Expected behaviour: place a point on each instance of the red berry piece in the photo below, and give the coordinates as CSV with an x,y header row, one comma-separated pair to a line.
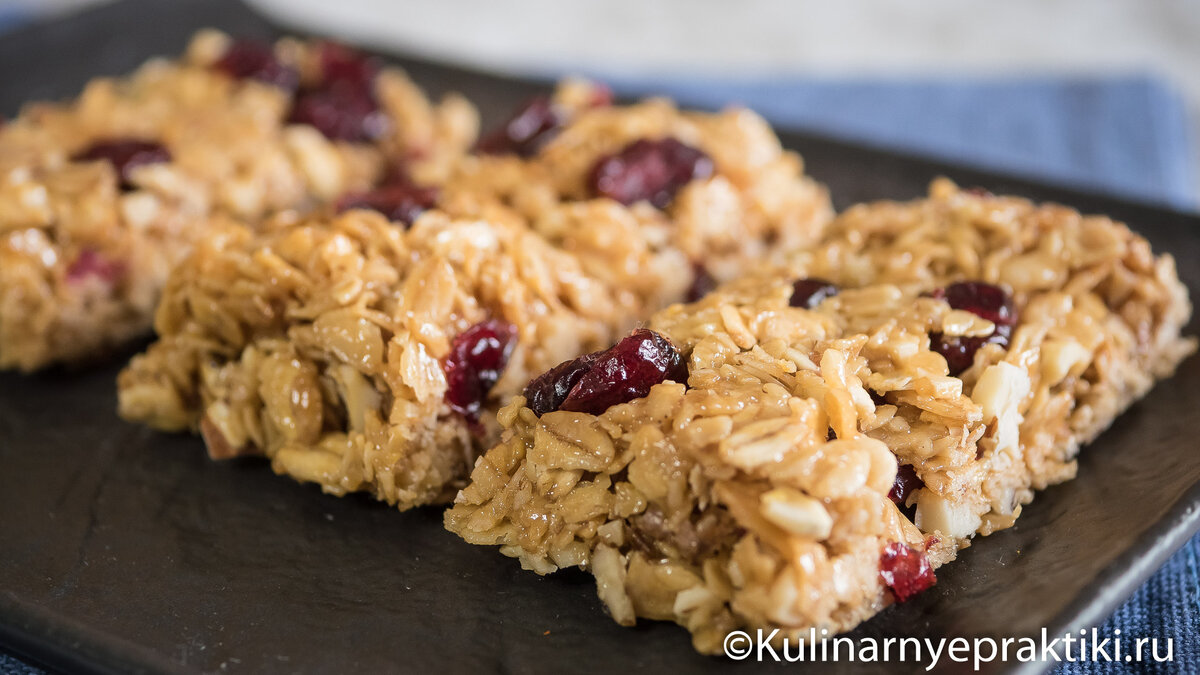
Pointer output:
x,y
400,201
906,571
595,382
125,155
808,293
343,105
907,482
530,128
546,392
252,60
650,170
981,299
477,357
90,264
343,64
703,283
626,372
340,112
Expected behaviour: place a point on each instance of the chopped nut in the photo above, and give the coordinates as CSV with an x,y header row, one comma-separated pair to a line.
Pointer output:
x,y
797,513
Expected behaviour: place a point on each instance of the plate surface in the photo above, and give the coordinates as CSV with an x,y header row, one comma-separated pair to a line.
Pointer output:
x,y
125,550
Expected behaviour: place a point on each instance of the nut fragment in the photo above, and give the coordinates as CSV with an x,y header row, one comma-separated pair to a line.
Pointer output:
x,y
1061,358
938,514
609,567
797,513
999,393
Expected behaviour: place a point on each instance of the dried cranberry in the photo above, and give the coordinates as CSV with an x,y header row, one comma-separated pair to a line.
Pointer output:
x,y
340,63
531,127
808,293
91,264
400,201
595,382
476,359
907,482
651,170
981,299
703,283
546,392
125,155
906,571
342,106
251,60
340,111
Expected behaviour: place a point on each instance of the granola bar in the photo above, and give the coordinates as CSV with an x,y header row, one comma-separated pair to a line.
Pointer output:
x,y
101,196
369,351
800,450
688,199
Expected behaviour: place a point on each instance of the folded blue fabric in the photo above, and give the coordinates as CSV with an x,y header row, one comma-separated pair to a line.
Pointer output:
x,y
1128,136
11,17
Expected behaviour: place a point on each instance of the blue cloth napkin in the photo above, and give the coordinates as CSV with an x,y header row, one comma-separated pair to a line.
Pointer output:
x,y
1127,136
10,16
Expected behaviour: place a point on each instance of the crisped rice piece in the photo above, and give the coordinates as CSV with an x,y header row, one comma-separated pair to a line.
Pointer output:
x,y
101,196
514,238
821,459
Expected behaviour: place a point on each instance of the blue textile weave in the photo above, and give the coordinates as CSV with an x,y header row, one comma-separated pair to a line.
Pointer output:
x,y
1127,136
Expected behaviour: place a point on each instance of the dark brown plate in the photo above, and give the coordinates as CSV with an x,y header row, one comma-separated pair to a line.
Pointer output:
x,y
125,550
